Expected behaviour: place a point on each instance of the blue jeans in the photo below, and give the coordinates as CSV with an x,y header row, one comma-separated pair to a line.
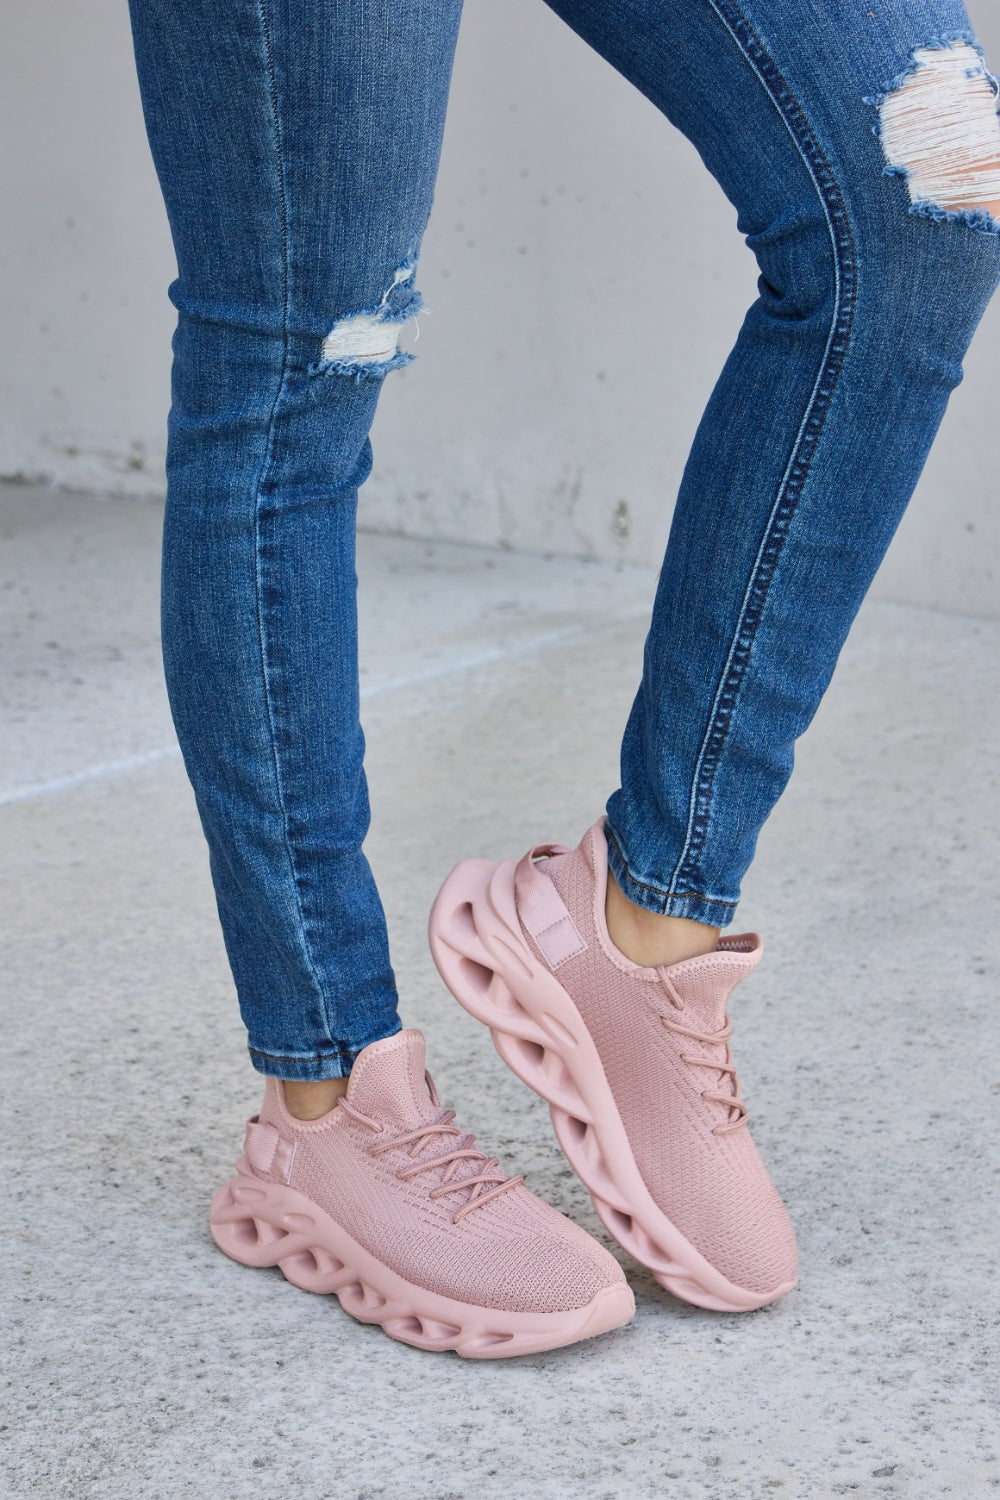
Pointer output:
x,y
297,144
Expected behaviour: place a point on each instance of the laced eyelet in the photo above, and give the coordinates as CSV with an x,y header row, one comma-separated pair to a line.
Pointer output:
x,y
483,1185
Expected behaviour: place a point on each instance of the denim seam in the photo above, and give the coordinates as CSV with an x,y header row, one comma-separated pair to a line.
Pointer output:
x,y
339,1055
261,480
342,1053
807,437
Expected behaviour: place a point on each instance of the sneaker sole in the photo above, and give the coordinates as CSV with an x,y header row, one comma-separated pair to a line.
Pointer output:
x,y
483,958
268,1224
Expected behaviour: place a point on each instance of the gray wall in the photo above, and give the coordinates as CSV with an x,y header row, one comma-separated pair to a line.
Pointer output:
x,y
583,272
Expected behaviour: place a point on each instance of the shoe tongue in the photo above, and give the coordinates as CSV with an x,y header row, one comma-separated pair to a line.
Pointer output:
x,y
706,983
388,1085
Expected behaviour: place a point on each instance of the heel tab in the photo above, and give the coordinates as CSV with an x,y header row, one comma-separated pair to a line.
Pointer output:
x,y
269,1153
543,913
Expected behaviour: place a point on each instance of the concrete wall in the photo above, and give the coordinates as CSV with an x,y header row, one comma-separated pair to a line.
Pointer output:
x,y
543,413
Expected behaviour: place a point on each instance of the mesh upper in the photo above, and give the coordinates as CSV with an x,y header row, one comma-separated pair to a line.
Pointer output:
x,y
714,1188
514,1253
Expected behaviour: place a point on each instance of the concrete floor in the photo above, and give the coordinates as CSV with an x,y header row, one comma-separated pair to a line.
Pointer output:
x,y
140,1362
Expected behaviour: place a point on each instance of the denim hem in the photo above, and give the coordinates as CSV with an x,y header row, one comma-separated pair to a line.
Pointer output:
x,y
710,910
313,1067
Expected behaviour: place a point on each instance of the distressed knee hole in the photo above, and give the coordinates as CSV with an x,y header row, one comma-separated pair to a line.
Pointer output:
x,y
365,344
940,130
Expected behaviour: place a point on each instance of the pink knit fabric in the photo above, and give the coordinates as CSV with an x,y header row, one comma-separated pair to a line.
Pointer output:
x,y
511,1251
694,1153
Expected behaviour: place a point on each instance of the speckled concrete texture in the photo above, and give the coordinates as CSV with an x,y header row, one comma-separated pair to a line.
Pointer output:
x,y
140,1362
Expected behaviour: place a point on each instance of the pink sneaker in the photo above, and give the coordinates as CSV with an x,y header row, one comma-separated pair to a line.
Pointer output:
x,y
634,1063
389,1204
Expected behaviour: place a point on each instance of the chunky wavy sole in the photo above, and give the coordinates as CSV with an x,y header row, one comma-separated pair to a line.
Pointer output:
x,y
268,1224
483,958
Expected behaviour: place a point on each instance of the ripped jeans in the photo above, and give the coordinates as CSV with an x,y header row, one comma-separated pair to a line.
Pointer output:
x,y
297,143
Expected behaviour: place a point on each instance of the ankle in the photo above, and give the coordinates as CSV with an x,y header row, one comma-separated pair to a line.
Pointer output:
x,y
650,938
310,1100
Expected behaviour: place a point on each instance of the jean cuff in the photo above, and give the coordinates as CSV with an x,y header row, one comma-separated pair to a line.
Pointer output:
x,y
312,1067
694,905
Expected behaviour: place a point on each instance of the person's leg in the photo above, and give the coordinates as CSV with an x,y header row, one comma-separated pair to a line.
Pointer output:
x,y
297,146
861,149
601,970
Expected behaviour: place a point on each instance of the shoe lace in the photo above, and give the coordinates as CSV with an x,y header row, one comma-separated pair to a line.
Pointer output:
x,y
730,1096
483,1186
